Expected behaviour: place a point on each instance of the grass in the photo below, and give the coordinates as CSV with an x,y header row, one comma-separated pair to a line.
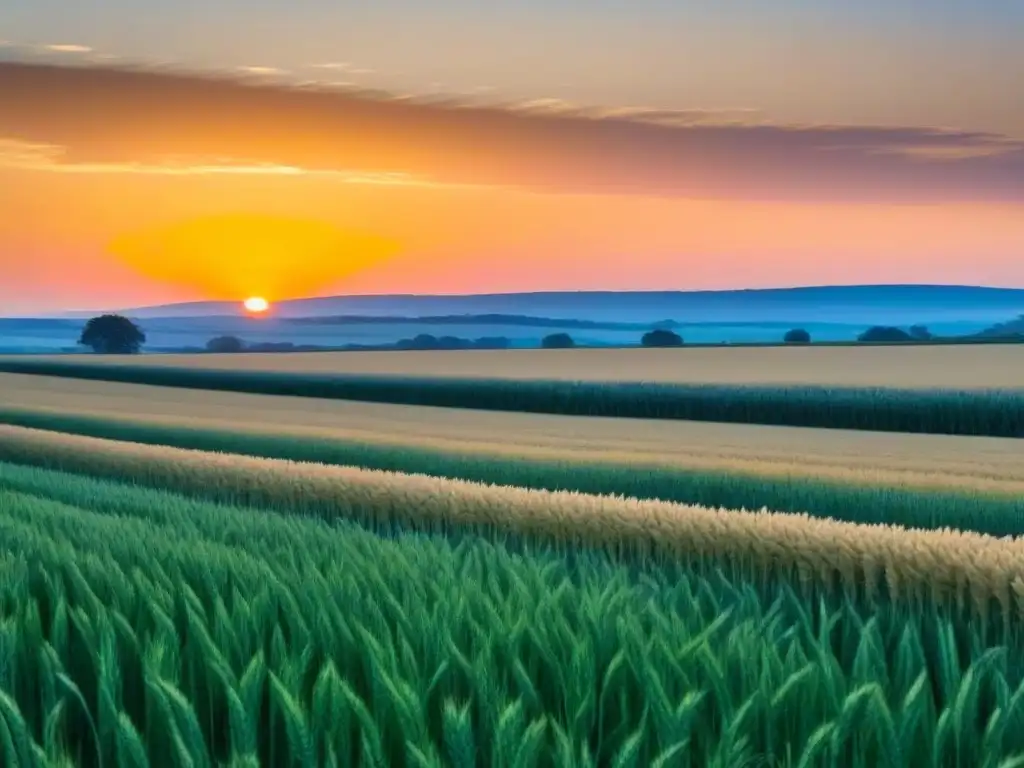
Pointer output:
x,y
899,366
857,498
145,628
978,573
994,413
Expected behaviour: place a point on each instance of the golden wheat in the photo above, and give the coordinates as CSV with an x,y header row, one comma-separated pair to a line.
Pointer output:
x,y
941,565
986,366
902,460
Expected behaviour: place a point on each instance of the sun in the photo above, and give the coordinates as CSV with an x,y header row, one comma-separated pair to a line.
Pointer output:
x,y
256,304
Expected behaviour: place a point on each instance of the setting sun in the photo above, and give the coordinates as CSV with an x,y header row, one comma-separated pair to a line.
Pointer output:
x,y
256,304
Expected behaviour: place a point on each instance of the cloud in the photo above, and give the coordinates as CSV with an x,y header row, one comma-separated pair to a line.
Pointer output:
x,y
50,158
258,70
338,66
108,117
65,48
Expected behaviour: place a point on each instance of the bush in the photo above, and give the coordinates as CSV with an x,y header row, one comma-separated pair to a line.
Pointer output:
x,y
225,344
882,333
797,336
558,341
661,337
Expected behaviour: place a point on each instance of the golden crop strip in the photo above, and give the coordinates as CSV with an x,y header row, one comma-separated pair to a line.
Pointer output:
x,y
941,565
967,366
902,460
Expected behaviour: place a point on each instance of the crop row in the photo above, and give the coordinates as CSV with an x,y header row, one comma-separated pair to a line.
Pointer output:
x,y
996,413
972,571
143,628
858,500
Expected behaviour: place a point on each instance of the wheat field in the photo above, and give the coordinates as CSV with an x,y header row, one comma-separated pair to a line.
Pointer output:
x,y
950,567
248,638
981,366
940,461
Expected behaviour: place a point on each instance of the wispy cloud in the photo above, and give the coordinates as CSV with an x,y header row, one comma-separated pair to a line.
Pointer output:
x,y
261,70
51,158
652,115
343,66
120,118
65,48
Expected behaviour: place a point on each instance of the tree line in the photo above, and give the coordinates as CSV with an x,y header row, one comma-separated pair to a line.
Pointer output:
x,y
115,334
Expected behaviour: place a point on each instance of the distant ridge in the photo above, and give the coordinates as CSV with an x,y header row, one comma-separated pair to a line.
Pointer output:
x,y
827,303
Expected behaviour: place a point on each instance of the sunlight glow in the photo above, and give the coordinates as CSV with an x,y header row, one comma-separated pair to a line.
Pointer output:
x,y
233,256
256,304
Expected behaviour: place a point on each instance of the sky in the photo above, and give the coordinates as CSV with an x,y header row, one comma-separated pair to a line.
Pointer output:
x,y
154,152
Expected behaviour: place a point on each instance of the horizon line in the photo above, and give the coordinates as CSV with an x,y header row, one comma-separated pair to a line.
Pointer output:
x,y
63,314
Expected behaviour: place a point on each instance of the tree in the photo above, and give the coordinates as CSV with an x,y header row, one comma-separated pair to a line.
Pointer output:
x,y
112,335
492,342
661,337
558,341
797,336
423,341
224,344
883,333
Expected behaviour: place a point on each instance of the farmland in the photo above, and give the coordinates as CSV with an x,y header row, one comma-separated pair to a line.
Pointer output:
x,y
976,412
969,366
925,460
212,575
163,627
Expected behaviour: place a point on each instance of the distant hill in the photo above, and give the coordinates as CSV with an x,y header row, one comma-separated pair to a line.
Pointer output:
x,y
1008,330
869,304
520,320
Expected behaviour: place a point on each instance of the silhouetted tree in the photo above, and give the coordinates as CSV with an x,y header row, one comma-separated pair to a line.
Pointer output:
x,y
661,337
453,342
920,332
558,341
797,336
223,344
112,335
884,333
492,342
420,342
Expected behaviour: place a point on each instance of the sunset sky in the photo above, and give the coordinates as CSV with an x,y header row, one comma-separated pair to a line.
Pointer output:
x,y
457,147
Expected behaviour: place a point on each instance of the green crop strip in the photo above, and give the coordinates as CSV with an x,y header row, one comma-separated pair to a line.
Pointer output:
x,y
143,628
980,575
997,514
995,413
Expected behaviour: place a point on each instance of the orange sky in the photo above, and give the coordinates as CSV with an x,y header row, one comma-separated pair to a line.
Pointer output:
x,y
56,246
101,209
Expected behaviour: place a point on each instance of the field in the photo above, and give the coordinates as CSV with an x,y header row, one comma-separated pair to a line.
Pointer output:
x,y
969,366
976,412
198,576
923,460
